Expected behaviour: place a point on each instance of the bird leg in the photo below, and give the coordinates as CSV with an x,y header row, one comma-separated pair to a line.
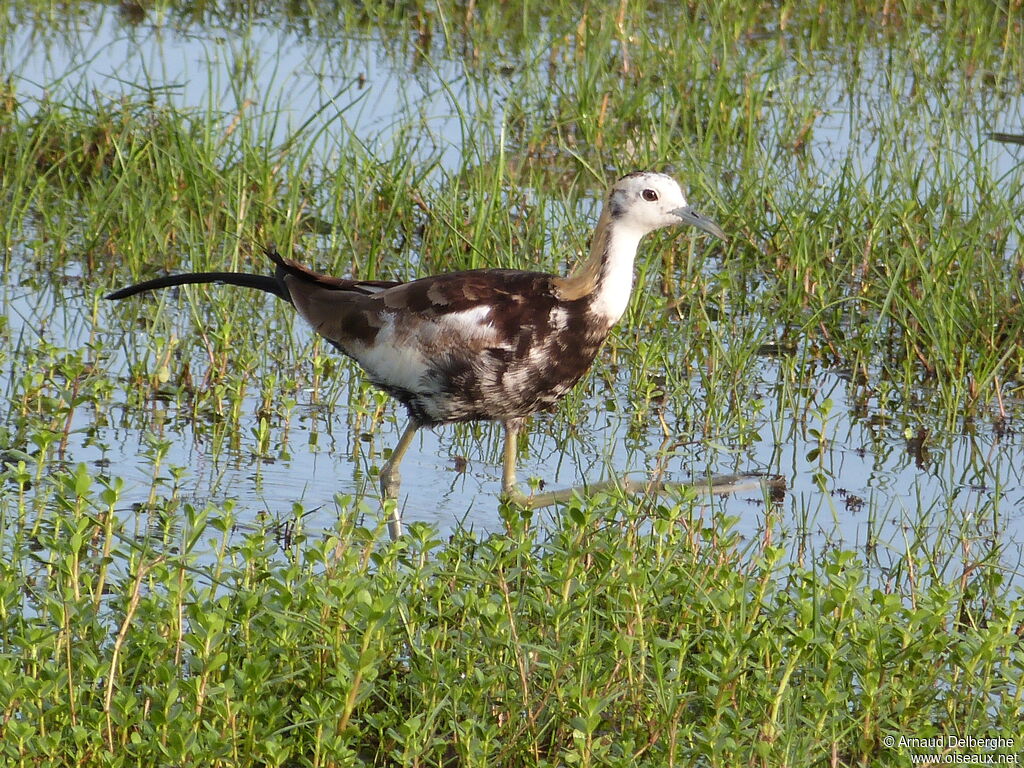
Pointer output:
x,y
390,479
510,492
717,485
712,486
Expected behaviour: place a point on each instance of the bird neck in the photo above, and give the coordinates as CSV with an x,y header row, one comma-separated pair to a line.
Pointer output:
x,y
606,277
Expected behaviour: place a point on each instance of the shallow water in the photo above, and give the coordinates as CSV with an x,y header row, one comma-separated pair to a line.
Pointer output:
x,y
869,486
351,84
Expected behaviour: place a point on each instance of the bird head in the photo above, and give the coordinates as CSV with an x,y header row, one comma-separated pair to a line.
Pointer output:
x,y
647,201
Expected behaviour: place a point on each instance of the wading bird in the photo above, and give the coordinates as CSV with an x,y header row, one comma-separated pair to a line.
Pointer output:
x,y
482,344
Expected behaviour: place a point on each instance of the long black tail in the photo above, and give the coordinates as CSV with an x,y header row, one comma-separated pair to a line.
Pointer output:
x,y
244,279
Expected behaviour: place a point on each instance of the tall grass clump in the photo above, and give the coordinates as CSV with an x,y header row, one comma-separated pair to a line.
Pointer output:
x,y
609,641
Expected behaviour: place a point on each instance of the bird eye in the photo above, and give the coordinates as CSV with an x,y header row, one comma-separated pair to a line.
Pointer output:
x,y
649,195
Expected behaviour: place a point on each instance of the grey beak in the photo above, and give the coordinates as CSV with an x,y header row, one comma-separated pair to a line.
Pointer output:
x,y
689,216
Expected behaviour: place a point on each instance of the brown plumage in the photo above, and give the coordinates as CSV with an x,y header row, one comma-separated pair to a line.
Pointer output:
x,y
486,344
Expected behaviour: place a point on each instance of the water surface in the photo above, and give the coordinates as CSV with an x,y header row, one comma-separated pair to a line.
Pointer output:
x,y
876,482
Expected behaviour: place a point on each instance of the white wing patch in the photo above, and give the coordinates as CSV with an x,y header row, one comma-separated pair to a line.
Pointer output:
x,y
558,318
470,323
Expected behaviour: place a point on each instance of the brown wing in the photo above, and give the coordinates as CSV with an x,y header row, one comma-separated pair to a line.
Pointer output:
x,y
442,305
512,296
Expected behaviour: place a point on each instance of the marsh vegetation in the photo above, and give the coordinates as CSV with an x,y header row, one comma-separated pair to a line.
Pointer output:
x,y
193,566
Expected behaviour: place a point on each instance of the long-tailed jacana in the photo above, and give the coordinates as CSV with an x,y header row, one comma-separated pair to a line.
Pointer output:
x,y
482,344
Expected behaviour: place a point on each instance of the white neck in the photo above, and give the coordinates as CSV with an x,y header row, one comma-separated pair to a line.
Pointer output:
x,y
615,281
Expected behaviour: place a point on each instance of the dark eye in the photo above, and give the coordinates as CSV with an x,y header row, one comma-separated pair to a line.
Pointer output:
x,y
649,195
